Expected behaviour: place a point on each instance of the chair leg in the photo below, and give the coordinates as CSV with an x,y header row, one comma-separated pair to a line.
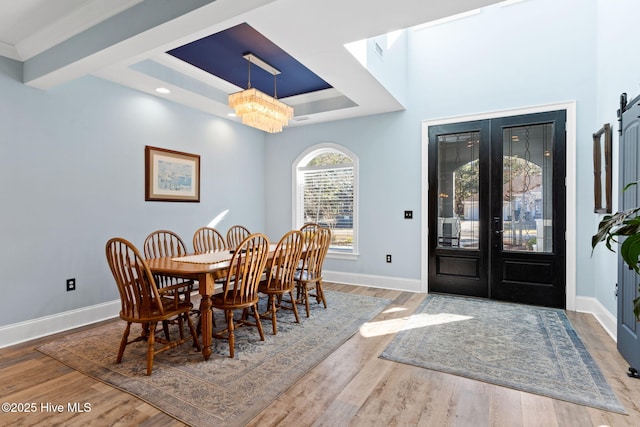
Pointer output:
x,y
123,342
165,328
306,297
258,322
150,352
294,306
274,323
299,291
194,334
232,338
181,326
320,293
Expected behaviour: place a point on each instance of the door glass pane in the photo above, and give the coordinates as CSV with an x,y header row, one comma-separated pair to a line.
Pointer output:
x,y
527,177
458,198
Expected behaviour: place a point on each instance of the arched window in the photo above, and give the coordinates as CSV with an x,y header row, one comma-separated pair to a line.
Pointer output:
x,y
326,192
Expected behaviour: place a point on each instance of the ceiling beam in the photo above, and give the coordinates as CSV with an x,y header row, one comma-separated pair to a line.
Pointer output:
x,y
136,31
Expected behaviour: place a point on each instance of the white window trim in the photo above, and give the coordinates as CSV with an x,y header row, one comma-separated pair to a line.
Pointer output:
x,y
305,156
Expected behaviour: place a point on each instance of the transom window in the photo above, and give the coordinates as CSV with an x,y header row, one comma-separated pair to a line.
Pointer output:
x,y
326,193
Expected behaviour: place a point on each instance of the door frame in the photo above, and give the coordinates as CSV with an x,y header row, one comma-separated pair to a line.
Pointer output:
x,y
571,186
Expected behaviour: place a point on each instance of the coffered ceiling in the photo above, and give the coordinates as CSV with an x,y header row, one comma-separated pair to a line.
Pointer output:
x,y
194,48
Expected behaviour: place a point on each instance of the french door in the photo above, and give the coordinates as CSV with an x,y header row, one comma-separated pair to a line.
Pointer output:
x,y
497,208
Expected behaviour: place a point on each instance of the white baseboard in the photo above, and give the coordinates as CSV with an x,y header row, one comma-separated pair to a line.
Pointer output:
x,y
384,282
43,326
608,321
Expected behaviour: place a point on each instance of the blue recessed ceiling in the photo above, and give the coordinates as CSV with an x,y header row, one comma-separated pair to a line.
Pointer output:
x,y
221,54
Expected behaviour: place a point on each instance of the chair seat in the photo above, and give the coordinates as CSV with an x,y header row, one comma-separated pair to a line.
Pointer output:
x,y
229,301
306,276
275,286
169,307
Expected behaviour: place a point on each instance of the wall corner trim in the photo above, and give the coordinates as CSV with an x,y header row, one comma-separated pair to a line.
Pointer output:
x,y
608,321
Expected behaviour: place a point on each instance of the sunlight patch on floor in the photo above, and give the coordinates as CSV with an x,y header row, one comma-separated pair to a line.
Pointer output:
x,y
392,326
394,310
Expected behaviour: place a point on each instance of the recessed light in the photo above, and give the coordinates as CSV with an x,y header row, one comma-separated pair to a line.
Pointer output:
x,y
231,114
162,90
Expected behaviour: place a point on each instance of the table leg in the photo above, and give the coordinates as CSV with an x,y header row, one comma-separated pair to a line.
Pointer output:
x,y
207,327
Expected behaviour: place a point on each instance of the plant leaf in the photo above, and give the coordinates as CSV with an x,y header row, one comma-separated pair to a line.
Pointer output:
x,y
630,251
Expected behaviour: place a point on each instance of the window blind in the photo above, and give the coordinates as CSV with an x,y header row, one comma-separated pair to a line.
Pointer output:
x,y
328,198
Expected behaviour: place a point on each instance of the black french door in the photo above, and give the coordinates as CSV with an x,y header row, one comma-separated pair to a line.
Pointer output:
x,y
497,208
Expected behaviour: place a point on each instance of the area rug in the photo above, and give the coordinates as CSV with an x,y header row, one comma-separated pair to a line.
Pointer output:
x,y
527,348
221,391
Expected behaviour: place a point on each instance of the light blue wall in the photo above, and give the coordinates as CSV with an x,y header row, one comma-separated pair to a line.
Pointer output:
x,y
72,173
533,53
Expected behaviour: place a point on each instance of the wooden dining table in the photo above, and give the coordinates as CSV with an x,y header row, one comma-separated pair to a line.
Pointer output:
x,y
206,273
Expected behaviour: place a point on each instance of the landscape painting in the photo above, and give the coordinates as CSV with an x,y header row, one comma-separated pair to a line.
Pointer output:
x,y
171,176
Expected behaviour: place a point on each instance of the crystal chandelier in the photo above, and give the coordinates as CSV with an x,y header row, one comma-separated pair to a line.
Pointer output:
x,y
256,108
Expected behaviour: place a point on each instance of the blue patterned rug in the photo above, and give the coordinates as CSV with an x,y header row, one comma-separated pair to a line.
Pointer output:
x,y
220,391
527,348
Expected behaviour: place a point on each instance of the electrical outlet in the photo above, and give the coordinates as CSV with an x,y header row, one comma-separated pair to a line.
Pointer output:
x,y
408,214
388,258
71,285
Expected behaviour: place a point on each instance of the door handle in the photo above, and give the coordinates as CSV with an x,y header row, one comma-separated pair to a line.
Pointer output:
x,y
497,226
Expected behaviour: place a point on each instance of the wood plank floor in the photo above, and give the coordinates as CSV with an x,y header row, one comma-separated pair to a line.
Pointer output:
x,y
350,387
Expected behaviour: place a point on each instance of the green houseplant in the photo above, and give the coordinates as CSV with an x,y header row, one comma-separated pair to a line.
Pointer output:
x,y
625,223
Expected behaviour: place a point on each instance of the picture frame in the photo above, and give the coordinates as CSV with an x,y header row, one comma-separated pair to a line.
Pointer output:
x,y
602,179
171,176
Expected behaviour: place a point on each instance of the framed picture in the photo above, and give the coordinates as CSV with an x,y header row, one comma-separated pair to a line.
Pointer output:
x,y
171,176
602,178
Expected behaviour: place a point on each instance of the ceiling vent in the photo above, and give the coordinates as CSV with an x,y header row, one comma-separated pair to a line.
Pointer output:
x,y
379,50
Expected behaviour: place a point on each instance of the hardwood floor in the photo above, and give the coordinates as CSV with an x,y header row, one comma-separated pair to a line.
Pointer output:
x,y
350,387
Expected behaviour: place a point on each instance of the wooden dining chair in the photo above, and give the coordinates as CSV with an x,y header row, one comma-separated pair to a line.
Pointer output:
x,y
280,280
142,301
235,235
309,277
165,243
207,239
309,229
240,291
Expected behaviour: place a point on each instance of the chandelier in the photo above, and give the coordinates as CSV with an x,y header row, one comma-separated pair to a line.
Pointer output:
x,y
256,108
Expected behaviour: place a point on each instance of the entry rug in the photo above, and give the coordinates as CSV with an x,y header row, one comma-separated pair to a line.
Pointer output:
x,y
527,348
221,391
